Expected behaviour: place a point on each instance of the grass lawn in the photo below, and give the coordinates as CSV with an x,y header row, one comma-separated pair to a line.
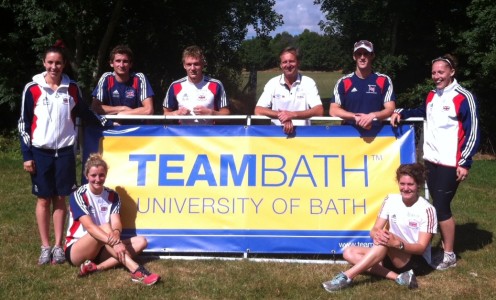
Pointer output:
x,y
20,277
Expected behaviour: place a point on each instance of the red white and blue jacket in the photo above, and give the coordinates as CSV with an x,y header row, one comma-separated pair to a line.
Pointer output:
x,y
48,117
83,202
452,134
132,93
209,92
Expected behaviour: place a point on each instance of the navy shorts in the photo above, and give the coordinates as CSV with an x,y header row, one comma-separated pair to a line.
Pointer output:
x,y
55,175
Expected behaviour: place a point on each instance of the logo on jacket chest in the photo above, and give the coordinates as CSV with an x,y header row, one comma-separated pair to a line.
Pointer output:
x,y
202,96
372,89
413,224
278,97
130,93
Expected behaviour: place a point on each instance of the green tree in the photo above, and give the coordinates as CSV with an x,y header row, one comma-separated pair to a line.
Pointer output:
x,y
409,34
40,23
279,42
319,52
478,45
255,55
157,31
406,34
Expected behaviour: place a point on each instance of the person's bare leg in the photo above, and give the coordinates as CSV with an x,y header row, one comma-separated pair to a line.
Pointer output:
x,y
59,214
371,258
43,219
448,234
134,246
88,248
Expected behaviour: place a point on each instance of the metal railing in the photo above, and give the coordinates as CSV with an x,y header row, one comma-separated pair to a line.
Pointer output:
x,y
248,118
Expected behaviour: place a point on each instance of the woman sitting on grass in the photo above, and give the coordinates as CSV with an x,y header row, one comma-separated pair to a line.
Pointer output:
x,y
94,232
402,236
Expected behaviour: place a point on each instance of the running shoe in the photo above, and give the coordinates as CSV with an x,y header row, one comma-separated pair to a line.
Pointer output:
x,y
58,255
45,255
407,278
449,261
87,268
144,276
339,282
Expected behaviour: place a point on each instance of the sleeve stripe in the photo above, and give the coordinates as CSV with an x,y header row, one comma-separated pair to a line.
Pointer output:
x,y
78,196
100,91
471,142
431,224
21,125
142,86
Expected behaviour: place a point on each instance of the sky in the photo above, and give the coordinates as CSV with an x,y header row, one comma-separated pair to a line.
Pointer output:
x,y
297,15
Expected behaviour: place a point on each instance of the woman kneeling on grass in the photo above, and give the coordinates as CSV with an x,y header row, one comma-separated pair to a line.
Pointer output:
x,y
402,236
93,236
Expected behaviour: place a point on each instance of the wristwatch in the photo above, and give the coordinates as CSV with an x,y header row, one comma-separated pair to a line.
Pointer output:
x,y
402,246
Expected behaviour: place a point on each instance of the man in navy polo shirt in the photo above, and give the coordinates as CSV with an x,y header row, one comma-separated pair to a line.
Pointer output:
x,y
122,92
363,97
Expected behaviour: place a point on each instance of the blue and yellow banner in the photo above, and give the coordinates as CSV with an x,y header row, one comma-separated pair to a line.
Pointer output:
x,y
251,188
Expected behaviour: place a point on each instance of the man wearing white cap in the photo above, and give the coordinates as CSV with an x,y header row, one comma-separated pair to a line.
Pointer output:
x,y
363,96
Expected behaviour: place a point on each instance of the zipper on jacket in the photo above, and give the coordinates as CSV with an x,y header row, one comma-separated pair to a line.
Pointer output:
x,y
57,124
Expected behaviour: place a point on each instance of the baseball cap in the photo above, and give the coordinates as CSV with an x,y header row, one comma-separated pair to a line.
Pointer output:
x,y
363,44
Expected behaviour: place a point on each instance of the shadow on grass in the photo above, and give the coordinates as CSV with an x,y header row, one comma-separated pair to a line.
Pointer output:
x,y
470,238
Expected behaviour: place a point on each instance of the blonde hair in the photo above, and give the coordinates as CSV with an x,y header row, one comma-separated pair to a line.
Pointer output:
x,y
94,160
196,52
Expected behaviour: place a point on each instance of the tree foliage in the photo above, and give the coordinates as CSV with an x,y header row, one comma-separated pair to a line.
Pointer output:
x,y
405,33
478,45
255,55
408,34
318,52
157,31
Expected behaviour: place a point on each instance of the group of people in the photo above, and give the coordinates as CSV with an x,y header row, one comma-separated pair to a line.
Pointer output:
x,y
123,92
47,127
363,98
289,99
406,222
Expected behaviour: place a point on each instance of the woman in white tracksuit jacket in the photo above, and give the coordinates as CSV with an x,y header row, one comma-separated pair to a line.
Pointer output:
x,y
451,139
50,105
